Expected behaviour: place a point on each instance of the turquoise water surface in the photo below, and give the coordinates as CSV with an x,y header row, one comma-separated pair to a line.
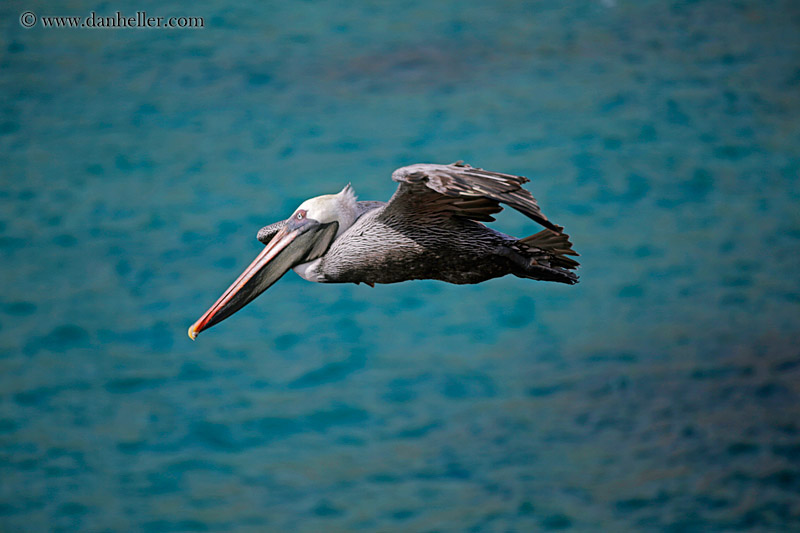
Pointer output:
x,y
662,393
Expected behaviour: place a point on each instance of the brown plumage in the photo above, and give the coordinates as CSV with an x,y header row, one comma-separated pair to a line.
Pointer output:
x,y
431,228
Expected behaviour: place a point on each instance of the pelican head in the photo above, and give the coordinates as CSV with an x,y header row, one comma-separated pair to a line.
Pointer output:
x,y
306,236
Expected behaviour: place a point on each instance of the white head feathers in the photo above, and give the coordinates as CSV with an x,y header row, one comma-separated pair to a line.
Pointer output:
x,y
329,208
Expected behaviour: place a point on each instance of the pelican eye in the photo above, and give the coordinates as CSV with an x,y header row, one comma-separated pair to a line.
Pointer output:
x,y
300,215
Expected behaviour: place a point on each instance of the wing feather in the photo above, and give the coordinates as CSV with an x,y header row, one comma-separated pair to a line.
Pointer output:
x,y
461,190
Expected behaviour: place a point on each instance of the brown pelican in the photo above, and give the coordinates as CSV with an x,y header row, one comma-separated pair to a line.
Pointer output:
x,y
431,228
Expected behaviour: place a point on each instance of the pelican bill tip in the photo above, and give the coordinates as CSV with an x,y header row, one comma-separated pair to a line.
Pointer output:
x,y
193,332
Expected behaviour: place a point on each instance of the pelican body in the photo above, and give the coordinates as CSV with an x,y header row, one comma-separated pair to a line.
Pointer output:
x,y
431,228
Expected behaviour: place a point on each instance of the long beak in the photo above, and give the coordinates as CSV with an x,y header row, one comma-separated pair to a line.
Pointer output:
x,y
253,281
289,247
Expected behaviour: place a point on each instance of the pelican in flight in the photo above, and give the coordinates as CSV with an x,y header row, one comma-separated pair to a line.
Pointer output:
x,y
431,228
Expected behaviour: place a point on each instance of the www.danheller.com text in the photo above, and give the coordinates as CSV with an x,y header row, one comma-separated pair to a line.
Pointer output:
x,y
141,19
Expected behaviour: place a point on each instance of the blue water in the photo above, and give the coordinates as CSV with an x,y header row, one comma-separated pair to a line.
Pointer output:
x,y
662,393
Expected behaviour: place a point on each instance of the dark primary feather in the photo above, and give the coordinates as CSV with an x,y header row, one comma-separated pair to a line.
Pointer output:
x,y
557,245
464,191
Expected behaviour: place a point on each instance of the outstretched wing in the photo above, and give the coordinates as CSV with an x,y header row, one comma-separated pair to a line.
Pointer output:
x,y
461,190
